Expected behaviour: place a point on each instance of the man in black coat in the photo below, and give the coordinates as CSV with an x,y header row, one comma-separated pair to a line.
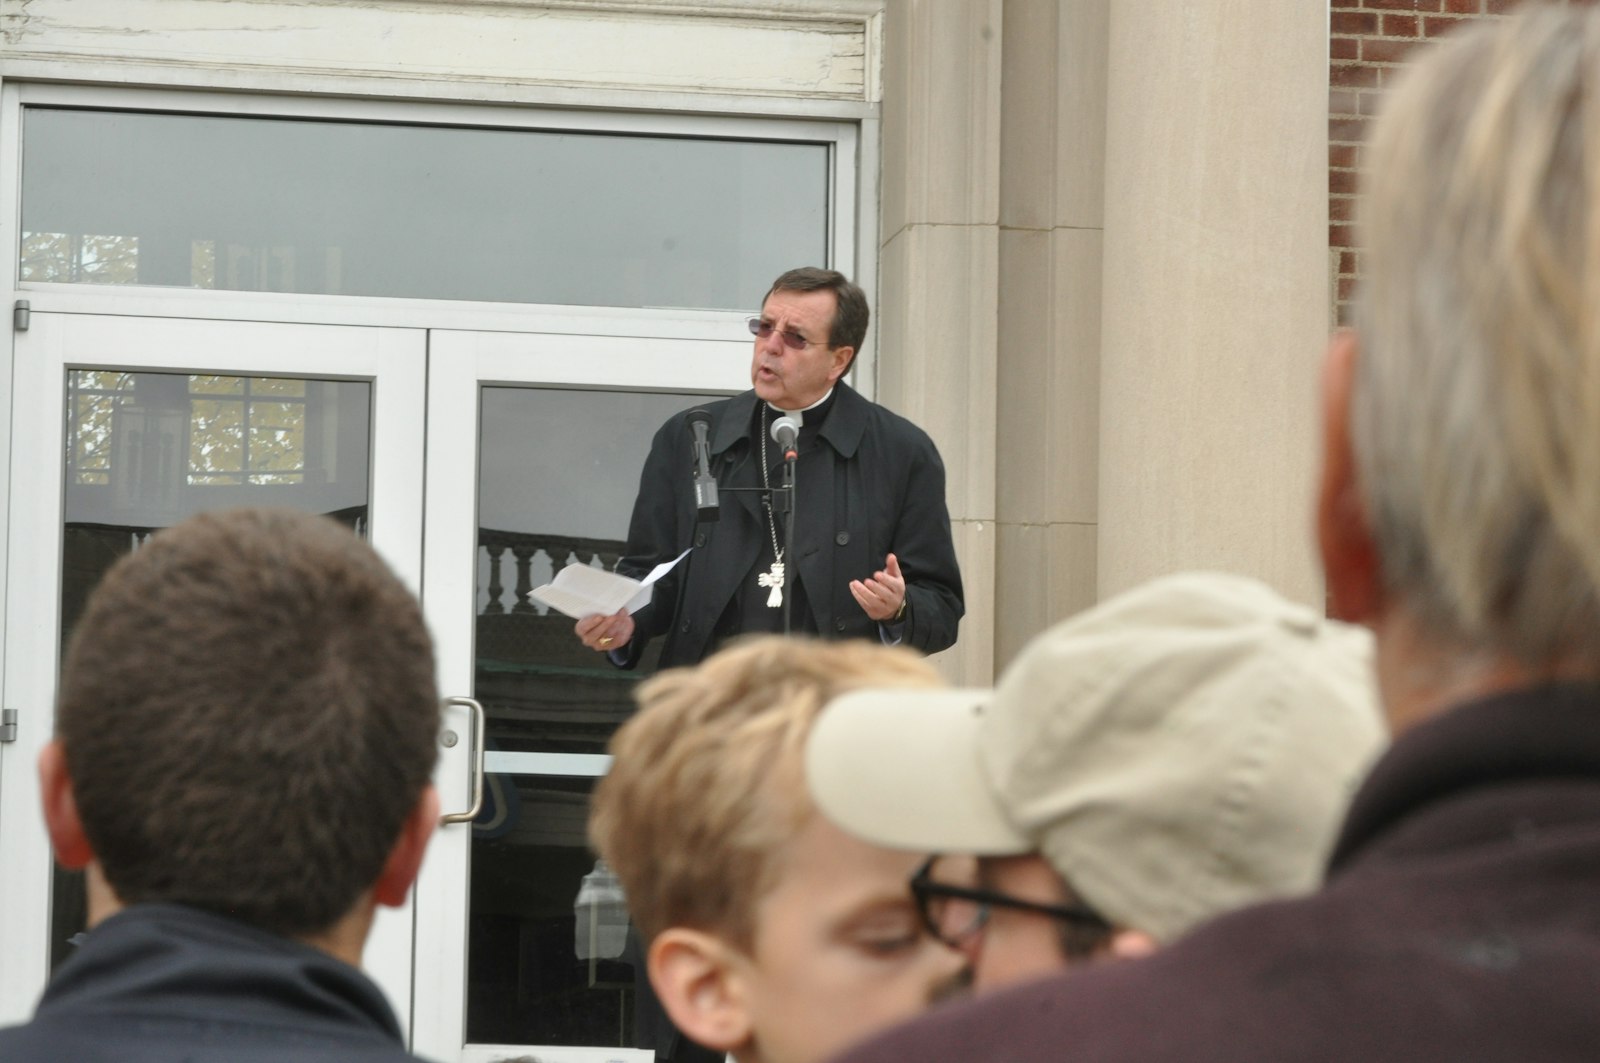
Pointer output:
x,y
246,728
1459,517
872,555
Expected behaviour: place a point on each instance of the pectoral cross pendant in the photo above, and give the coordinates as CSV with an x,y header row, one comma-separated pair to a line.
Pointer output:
x,y
773,578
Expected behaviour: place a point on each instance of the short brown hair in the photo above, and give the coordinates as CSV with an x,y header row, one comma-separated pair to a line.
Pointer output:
x,y
248,713
851,314
707,781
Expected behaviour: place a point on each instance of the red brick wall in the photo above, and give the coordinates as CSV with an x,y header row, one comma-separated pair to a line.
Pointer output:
x,y
1369,41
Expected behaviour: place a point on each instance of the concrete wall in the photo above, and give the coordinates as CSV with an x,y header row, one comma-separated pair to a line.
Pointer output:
x,y
1215,308
1103,289
938,271
1052,242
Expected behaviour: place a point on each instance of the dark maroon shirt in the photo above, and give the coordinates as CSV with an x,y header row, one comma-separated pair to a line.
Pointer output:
x,y
1460,922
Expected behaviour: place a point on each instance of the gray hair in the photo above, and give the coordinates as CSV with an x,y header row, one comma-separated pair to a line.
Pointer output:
x,y
1476,411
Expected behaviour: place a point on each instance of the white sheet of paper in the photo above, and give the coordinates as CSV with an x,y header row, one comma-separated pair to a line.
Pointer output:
x,y
663,568
579,590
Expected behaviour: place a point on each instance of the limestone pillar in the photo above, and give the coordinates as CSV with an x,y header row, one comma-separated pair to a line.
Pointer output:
x,y
1215,303
1052,152
938,271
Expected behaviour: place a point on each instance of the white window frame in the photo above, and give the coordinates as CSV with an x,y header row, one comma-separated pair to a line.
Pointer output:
x,y
851,205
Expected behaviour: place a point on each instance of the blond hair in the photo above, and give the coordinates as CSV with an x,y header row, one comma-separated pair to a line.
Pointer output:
x,y
1476,411
706,784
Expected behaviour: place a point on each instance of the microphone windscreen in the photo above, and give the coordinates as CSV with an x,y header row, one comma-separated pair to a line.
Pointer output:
x,y
787,423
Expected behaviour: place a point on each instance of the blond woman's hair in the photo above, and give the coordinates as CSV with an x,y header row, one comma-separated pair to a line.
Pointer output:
x,y
707,784
1476,411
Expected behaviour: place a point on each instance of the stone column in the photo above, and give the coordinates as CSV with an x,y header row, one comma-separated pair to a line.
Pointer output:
x,y
1052,151
938,271
1215,306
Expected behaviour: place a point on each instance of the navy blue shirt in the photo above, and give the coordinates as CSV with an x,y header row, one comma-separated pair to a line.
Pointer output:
x,y
163,982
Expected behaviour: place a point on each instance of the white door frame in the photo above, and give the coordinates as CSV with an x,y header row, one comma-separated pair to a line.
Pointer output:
x,y
393,359
477,359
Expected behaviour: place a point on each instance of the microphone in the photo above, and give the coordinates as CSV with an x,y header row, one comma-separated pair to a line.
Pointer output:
x,y
786,433
706,504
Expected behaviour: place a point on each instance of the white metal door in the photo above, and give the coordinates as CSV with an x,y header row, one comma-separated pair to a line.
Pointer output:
x,y
378,372
601,397
534,451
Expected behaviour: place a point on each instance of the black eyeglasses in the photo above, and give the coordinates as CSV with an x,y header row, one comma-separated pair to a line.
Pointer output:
x,y
957,914
791,339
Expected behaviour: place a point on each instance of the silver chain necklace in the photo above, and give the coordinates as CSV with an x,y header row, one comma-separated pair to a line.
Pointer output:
x,y
773,577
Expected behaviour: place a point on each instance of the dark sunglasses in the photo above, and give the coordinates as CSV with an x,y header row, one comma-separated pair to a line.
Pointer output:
x,y
791,339
957,914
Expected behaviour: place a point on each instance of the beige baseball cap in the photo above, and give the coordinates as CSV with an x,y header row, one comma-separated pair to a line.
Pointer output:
x,y
1180,750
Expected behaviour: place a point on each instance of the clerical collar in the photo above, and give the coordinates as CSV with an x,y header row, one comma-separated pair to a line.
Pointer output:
x,y
808,409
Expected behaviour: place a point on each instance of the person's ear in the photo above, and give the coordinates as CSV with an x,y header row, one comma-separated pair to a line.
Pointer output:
x,y
405,858
1344,532
842,357
61,818
1131,945
697,979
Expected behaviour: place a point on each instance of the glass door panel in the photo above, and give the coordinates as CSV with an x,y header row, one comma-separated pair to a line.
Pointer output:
x,y
558,466
132,425
551,492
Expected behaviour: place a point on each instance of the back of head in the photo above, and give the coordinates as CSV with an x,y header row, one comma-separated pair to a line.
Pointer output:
x,y
1477,401
248,713
706,785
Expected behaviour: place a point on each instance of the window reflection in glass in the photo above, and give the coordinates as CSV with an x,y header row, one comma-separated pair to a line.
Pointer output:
x,y
92,400
151,434
71,258
240,430
247,430
415,211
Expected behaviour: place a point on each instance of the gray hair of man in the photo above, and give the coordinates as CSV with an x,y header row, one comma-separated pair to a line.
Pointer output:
x,y
1476,404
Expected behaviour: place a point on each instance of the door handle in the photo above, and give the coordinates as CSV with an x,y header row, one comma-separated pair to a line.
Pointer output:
x,y
479,740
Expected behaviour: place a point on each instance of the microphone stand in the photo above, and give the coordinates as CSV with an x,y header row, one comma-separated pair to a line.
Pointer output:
x,y
788,535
